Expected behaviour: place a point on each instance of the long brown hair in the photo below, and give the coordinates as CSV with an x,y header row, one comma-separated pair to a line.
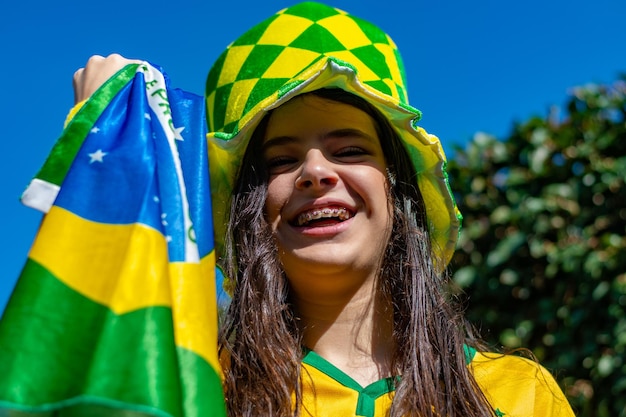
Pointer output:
x,y
261,340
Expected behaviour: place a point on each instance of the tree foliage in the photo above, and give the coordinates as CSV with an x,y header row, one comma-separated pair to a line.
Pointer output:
x,y
542,255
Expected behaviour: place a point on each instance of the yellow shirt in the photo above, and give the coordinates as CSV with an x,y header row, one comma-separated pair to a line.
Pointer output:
x,y
514,386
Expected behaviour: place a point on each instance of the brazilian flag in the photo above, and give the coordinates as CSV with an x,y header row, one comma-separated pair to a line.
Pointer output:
x,y
115,312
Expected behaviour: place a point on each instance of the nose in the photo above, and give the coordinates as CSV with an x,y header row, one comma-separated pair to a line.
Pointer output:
x,y
316,171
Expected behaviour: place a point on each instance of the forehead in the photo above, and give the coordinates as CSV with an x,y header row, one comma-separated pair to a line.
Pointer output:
x,y
310,113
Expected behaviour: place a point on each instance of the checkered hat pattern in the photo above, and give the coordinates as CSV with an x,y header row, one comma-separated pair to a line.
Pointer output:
x,y
303,48
270,59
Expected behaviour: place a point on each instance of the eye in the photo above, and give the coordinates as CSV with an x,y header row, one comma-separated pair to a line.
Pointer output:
x,y
279,163
349,151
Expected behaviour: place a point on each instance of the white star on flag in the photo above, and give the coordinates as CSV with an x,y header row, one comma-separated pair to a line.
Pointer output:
x,y
95,129
97,156
147,116
177,133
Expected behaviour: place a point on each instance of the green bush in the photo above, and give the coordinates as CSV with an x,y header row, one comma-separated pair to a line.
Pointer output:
x,y
542,254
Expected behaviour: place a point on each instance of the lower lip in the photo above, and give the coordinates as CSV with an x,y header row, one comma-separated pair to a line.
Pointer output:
x,y
324,230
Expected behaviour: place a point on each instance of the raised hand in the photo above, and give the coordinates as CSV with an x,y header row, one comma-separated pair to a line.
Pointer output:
x,y
97,70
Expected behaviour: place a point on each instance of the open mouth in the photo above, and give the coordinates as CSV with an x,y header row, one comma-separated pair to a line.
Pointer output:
x,y
321,216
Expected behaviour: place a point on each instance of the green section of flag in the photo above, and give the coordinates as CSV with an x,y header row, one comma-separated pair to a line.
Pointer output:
x,y
62,351
62,155
202,386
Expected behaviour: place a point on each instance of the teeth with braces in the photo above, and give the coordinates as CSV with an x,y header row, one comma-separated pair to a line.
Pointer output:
x,y
327,213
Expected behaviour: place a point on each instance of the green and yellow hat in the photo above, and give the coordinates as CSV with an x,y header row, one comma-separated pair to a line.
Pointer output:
x,y
304,48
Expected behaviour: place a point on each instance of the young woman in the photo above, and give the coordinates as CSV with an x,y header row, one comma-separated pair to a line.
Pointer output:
x,y
337,234
337,269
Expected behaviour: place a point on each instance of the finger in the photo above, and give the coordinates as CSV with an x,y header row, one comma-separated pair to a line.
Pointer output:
x,y
77,82
94,60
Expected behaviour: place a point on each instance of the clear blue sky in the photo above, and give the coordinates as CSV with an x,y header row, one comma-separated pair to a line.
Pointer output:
x,y
471,66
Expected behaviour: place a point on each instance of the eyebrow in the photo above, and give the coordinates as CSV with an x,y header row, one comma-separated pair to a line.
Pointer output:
x,y
333,134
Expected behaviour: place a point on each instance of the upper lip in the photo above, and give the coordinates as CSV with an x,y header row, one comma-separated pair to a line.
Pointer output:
x,y
319,205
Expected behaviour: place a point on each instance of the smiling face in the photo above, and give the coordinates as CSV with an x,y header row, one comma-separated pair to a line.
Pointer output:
x,y
327,198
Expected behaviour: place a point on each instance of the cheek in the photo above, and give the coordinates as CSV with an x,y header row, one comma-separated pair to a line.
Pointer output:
x,y
375,185
381,199
277,195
